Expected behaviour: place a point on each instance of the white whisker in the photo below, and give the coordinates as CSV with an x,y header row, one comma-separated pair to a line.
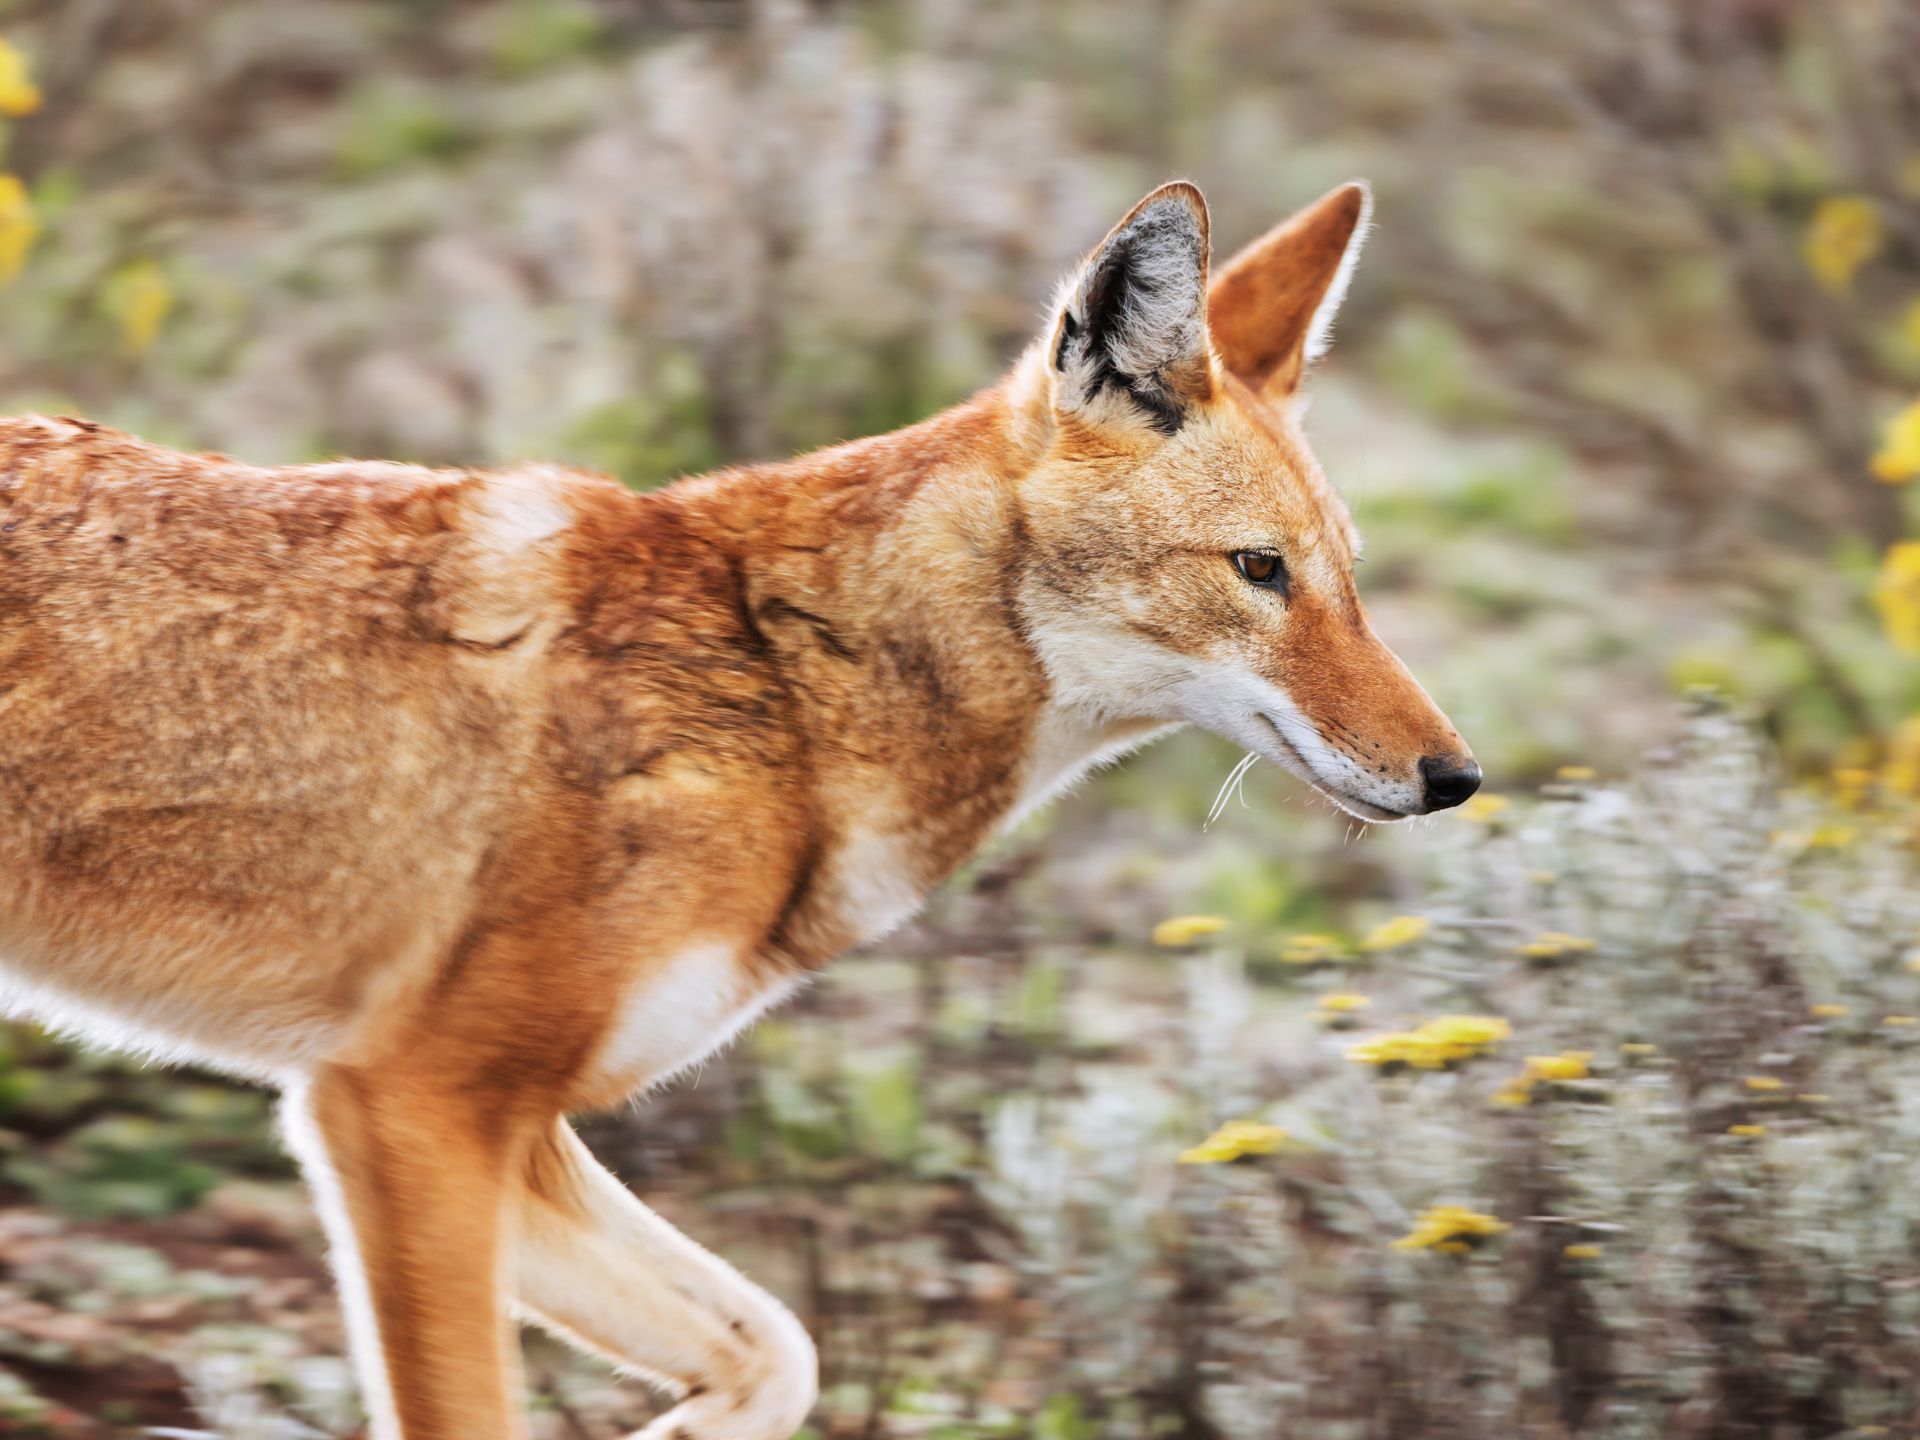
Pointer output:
x,y
1227,788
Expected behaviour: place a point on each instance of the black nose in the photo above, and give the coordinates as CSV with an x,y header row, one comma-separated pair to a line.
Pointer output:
x,y
1449,781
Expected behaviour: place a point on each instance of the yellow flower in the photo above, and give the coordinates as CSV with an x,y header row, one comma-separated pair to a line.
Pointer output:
x,y
1910,323
1440,1042
19,227
1569,1066
1309,949
1574,774
18,94
1400,1047
140,298
1763,1083
1551,944
1845,233
1341,1002
1898,459
1901,1022
1475,1031
1453,1229
1851,784
1638,1047
1234,1141
1901,774
1812,1098
1518,1090
1896,594
1542,877
1747,1132
1584,1252
1185,929
1827,1010
1484,809
1392,934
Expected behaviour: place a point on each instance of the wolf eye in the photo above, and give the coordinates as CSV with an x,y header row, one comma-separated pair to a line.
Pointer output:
x,y
1257,567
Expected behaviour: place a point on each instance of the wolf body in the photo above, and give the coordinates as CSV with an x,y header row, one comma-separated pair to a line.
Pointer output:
x,y
452,802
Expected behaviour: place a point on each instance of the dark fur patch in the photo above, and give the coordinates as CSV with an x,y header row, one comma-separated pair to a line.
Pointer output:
x,y
1114,289
1069,332
773,610
782,940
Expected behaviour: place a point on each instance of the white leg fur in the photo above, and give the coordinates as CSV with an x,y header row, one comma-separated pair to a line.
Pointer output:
x,y
602,1269
356,1300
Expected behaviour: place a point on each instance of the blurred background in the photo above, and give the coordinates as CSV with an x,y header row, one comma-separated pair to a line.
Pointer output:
x,y
1593,1109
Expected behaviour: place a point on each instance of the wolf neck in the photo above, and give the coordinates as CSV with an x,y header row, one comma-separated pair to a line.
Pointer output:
x,y
883,576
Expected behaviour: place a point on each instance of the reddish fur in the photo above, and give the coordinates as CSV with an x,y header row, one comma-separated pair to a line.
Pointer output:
x,y
401,787
1263,299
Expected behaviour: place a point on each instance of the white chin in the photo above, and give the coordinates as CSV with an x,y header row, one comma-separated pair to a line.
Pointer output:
x,y
1372,814
1283,754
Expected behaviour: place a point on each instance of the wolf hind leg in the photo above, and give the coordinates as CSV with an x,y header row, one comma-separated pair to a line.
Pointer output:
x,y
593,1263
414,1183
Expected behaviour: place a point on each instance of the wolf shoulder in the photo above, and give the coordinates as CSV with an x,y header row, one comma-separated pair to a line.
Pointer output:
x,y
93,522
194,633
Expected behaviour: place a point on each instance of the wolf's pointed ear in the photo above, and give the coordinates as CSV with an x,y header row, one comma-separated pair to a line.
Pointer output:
x,y
1132,326
1272,306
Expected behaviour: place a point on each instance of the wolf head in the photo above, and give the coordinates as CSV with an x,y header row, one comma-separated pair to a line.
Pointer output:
x,y
1184,557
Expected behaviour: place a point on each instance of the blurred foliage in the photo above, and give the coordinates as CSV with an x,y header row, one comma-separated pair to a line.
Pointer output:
x,y
93,1135
1625,400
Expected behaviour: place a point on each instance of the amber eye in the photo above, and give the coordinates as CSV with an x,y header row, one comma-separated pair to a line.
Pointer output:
x,y
1258,567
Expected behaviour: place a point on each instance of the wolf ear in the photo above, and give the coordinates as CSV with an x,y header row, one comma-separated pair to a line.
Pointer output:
x,y
1271,309
1132,326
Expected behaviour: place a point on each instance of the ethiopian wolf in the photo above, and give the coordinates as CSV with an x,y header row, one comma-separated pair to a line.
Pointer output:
x,y
454,801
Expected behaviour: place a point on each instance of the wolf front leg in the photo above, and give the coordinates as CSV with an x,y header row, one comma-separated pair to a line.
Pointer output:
x,y
596,1265
414,1183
